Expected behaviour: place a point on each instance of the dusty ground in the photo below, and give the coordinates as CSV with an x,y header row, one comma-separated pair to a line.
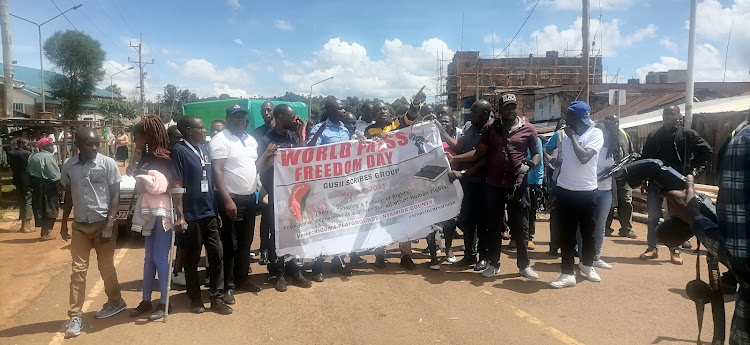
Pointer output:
x,y
636,303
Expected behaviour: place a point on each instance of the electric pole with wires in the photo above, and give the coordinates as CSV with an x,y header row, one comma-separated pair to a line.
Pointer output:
x,y
142,75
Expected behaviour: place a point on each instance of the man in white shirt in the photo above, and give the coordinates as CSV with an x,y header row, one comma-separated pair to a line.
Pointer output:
x,y
577,192
233,157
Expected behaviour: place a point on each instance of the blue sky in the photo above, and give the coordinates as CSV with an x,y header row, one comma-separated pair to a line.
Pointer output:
x,y
375,48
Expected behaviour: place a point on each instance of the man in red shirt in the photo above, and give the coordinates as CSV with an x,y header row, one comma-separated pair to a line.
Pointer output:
x,y
502,152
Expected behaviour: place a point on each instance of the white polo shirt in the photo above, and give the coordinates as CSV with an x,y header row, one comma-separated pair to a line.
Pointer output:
x,y
575,176
239,171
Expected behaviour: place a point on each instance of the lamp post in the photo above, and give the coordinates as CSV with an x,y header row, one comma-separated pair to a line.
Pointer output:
x,y
41,63
112,94
309,100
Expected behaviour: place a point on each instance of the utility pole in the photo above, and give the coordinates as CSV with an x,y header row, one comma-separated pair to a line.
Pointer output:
x,y
585,33
690,87
141,74
7,94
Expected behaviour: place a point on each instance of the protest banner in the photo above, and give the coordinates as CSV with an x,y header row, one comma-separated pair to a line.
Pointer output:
x,y
349,196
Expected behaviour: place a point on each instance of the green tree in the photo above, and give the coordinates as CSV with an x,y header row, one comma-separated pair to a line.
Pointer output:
x,y
399,102
78,58
115,110
114,89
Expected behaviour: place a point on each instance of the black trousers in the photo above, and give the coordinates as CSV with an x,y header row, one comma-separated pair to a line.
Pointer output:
x,y
518,211
45,203
554,230
473,217
534,193
266,226
576,210
449,231
236,237
204,232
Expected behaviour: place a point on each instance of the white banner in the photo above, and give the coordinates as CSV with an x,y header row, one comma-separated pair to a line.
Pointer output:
x,y
349,196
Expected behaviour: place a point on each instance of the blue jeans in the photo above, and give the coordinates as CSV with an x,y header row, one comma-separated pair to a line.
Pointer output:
x,y
156,260
603,204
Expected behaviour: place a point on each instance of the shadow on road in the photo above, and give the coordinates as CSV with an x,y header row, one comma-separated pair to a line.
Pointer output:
x,y
523,286
633,261
49,327
21,240
631,242
661,340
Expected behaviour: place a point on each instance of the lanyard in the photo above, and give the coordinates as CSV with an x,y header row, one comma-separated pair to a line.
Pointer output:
x,y
200,155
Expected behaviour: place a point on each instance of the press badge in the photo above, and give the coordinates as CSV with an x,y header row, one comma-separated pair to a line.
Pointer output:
x,y
204,183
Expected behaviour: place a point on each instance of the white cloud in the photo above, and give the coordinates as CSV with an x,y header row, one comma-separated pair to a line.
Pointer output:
x,y
576,4
235,4
282,25
712,32
400,72
127,80
203,70
280,52
491,38
668,44
239,42
709,66
219,88
608,39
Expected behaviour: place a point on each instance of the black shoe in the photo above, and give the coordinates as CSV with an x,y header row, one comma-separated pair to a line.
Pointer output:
x,y
576,254
355,259
142,308
301,281
609,233
281,283
263,258
407,263
229,297
466,261
318,277
197,307
552,252
218,306
379,261
159,312
481,266
250,287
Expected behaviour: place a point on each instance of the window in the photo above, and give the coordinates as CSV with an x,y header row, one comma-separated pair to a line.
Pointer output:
x,y
467,64
544,74
18,107
521,75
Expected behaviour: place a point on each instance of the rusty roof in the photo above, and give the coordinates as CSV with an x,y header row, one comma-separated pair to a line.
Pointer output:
x,y
640,104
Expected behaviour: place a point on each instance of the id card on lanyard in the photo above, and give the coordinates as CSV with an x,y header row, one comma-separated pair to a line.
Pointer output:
x,y
204,163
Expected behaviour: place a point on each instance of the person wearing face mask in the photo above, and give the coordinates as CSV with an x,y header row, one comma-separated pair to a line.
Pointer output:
x,y
683,150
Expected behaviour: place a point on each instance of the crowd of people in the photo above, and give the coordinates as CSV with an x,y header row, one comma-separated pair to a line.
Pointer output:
x,y
216,188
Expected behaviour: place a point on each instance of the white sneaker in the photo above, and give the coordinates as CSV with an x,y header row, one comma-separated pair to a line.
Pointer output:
x,y
451,259
565,280
491,271
589,272
529,273
179,279
601,264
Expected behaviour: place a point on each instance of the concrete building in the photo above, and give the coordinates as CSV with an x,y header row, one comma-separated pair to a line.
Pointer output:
x,y
469,74
668,77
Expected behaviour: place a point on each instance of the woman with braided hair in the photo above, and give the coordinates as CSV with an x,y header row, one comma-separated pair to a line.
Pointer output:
x,y
609,154
152,212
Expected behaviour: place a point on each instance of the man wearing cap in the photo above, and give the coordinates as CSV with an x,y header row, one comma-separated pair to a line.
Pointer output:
x,y
683,150
45,177
577,192
233,155
503,149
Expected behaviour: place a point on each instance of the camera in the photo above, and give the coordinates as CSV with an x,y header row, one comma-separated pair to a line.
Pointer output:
x,y
673,231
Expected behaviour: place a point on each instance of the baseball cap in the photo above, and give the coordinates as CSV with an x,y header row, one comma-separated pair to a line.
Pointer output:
x,y
235,109
508,98
44,142
582,111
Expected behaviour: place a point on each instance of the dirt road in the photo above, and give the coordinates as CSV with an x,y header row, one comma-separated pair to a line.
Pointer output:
x,y
636,303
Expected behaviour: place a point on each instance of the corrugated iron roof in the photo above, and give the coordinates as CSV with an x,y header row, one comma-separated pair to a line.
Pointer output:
x,y
721,105
640,104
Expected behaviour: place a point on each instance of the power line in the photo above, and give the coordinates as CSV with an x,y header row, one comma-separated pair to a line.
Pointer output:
x,y
63,14
123,18
519,30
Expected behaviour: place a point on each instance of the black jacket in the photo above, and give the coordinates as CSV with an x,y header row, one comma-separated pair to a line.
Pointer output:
x,y
685,150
